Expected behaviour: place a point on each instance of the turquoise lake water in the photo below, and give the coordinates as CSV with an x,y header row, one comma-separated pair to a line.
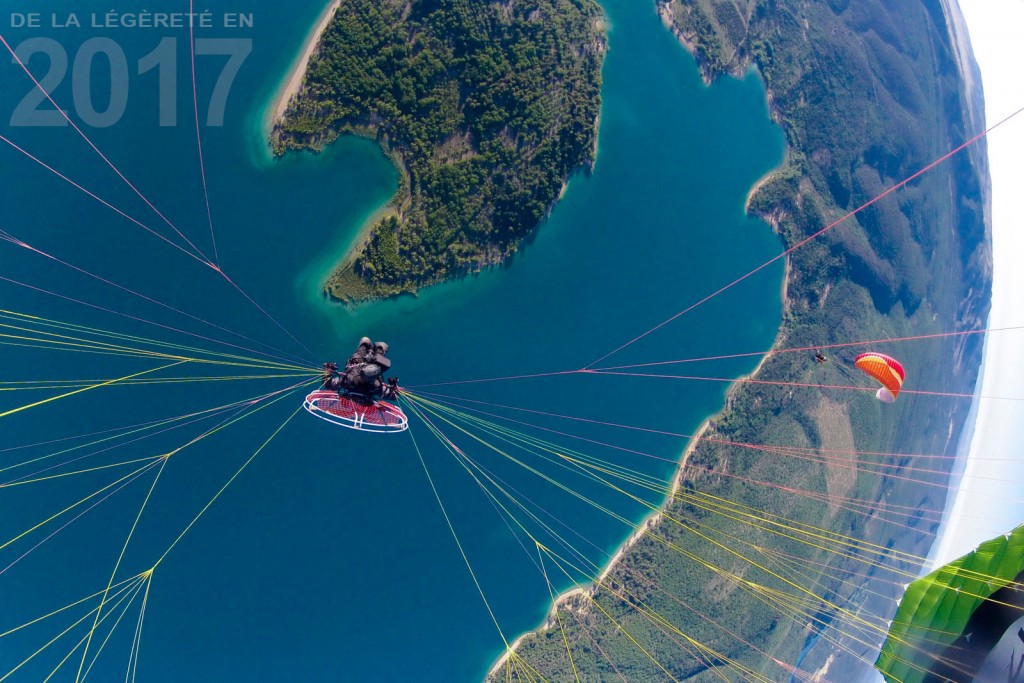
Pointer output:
x,y
328,558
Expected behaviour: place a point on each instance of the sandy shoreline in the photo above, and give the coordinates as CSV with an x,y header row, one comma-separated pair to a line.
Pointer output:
x,y
761,182
652,519
642,527
292,84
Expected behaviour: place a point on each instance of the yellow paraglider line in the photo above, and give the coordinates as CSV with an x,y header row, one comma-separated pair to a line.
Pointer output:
x,y
127,600
656,619
135,582
635,477
622,473
103,348
80,329
119,586
131,476
659,619
164,460
42,384
817,600
54,346
226,484
133,654
792,566
794,607
628,522
657,486
90,387
463,459
561,628
823,534
50,348
512,658
117,565
110,633
458,543
820,536
284,394
800,589
77,503
50,477
533,470
135,429
87,345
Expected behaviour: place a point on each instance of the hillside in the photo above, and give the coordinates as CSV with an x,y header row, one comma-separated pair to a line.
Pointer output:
x,y
867,93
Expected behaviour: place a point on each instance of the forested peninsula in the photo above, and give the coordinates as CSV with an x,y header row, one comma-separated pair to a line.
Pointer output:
x,y
485,108
760,549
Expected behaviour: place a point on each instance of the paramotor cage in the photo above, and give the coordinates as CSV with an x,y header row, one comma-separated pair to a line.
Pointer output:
x,y
375,416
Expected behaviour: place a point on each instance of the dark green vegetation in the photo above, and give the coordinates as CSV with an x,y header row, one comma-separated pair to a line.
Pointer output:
x,y
486,108
867,93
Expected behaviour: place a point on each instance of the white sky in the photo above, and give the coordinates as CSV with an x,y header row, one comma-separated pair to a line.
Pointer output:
x,y
991,497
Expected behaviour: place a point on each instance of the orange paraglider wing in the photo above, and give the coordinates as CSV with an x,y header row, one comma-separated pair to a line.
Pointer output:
x,y
886,370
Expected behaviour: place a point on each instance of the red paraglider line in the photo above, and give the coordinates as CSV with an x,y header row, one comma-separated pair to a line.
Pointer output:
x,y
564,417
875,467
199,139
284,358
805,349
79,516
767,448
804,241
237,407
496,379
126,429
312,356
95,148
780,447
201,259
866,508
747,380
855,505
576,532
83,436
810,454
561,433
851,504
112,311
749,354
571,548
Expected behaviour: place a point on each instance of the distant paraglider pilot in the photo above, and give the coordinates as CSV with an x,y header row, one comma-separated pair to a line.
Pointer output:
x,y
363,376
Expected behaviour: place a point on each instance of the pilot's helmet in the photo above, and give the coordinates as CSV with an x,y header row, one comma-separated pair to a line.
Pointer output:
x,y
365,343
381,348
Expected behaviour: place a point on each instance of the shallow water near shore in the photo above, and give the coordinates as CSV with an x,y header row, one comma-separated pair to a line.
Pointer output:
x,y
329,558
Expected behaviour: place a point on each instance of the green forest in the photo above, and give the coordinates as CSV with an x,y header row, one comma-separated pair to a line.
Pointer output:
x,y
486,108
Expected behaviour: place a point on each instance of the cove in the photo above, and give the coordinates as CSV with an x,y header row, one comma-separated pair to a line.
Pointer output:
x,y
329,558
